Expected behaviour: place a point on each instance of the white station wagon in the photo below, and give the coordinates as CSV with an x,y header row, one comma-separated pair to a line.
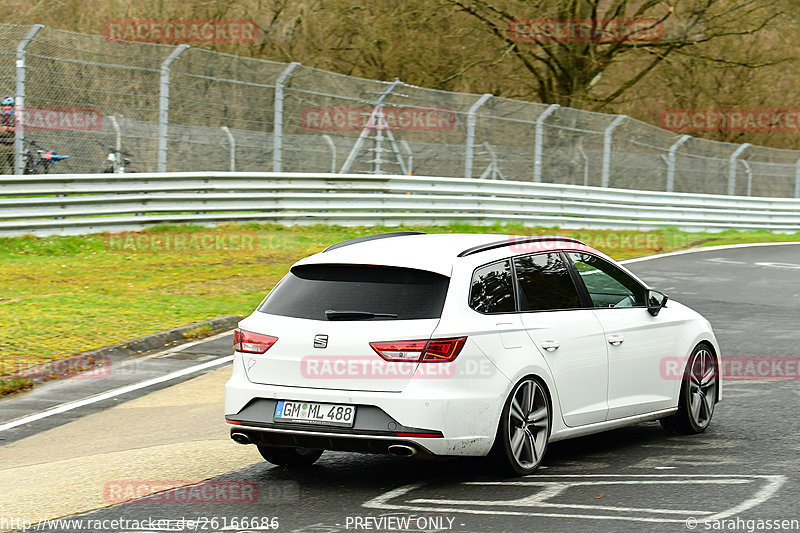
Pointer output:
x,y
454,344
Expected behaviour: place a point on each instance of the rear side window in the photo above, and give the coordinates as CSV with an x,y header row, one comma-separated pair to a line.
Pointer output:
x,y
308,291
491,290
544,283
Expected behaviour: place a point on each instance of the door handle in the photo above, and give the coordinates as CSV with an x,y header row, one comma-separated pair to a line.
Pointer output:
x,y
615,340
550,346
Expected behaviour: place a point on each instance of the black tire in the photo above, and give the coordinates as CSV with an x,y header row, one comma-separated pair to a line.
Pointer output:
x,y
291,457
524,427
698,396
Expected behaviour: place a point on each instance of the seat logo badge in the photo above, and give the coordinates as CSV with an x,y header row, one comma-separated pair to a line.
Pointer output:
x,y
320,341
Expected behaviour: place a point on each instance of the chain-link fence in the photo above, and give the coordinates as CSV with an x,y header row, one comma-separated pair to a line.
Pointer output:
x,y
175,108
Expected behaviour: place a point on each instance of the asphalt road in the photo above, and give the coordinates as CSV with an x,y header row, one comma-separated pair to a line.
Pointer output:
x,y
744,467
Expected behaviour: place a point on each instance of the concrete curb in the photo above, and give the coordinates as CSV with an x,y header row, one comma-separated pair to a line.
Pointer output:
x,y
83,361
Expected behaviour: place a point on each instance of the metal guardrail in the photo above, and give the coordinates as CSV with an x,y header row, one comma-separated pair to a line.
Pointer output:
x,y
90,203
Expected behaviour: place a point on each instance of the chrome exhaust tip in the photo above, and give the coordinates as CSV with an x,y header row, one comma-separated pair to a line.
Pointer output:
x,y
402,450
240,438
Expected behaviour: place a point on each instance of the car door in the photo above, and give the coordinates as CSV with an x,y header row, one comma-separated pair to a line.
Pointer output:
x,y
636,341
569,337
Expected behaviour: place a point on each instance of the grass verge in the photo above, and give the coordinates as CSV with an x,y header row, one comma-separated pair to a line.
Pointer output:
x,y
64,295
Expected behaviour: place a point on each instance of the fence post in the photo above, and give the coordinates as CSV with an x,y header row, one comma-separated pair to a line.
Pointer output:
x,y
19,99
333,151
537,151
117,141
749,172
470,147
732,168
410,162
277,115
797,179
163,107
585,160
671,161
351,157
607,148
232,145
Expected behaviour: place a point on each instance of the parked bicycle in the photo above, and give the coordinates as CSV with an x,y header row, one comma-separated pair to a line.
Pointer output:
x,y
38,160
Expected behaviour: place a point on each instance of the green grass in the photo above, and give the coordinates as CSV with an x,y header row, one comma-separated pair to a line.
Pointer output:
x,y
63,295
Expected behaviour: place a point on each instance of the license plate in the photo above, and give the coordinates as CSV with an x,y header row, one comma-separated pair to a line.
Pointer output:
x,y
315,413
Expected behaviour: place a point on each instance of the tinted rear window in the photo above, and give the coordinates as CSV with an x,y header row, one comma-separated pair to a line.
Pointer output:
x,y
544,283
491,290
310,290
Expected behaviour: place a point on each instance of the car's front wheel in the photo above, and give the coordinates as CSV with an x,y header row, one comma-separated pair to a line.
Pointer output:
x,y
291,457
524,427
698,394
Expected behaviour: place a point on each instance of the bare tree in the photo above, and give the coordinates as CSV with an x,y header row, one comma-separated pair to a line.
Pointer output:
x,y
565,47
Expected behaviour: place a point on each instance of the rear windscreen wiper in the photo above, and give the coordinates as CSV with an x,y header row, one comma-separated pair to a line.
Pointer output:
x,y
355,315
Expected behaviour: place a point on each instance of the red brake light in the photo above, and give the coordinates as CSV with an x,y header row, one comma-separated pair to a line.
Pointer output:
x,y
443,350
426,351
249,342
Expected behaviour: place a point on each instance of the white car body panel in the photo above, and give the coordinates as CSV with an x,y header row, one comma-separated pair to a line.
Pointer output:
x,y
635,383
580,363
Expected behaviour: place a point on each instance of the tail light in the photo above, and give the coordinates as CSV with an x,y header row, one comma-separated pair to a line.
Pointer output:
x,y
249,342
425,351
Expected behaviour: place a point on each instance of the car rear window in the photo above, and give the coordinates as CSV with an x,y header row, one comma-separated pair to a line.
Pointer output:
x,y
310,290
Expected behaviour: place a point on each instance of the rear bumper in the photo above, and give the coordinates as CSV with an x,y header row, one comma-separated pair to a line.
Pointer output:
x,y
323,440
464,411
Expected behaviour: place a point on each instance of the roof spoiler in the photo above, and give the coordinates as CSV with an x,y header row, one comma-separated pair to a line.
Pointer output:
x,y
366,238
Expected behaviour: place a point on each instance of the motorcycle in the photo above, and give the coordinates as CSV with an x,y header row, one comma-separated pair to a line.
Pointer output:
x,y
112,165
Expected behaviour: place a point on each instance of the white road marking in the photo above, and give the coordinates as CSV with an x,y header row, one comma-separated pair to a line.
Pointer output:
x,y
553,488
774,483
708,249
69,406
785,266
725,261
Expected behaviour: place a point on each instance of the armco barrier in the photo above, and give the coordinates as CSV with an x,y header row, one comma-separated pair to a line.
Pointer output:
x,y
89,203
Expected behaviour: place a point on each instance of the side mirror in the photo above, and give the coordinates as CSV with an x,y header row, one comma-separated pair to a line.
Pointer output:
x,y
656,301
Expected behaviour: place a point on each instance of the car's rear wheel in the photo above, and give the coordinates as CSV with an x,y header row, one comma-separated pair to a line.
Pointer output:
x,y
524,427
698,394
291,457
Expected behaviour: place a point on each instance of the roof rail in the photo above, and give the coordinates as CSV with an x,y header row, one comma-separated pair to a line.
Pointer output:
x,y
511,242
371,238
